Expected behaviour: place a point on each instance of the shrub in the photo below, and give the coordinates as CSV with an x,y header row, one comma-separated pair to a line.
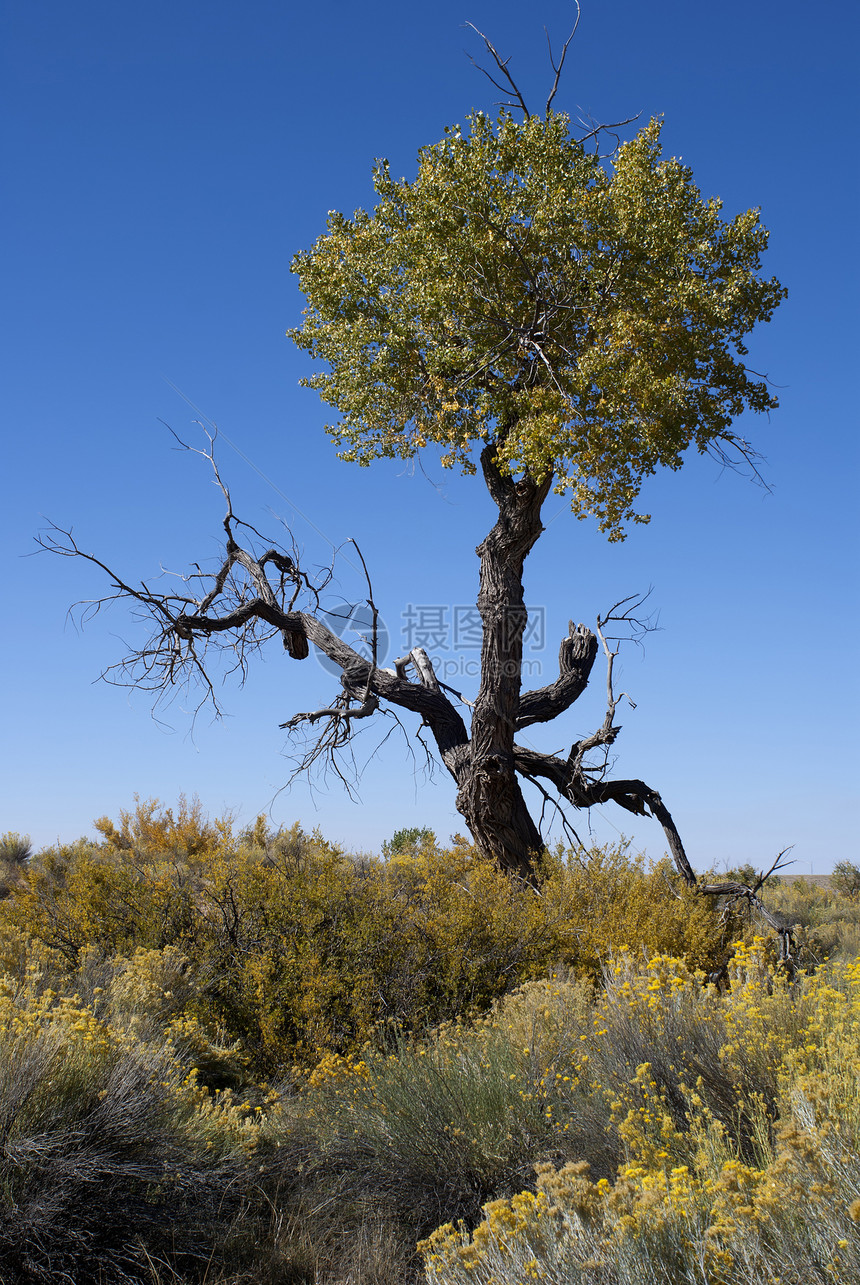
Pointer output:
x,y
296,948
685,1205
845,879
141,1145
108,1160
153,833
15,848
407,840
15,851
608,901
826,921
430,1130
746,873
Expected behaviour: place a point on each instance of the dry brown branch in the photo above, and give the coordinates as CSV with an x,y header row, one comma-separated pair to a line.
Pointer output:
x,y
591,130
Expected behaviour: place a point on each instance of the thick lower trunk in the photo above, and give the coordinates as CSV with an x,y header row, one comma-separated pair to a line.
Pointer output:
x,y
491,803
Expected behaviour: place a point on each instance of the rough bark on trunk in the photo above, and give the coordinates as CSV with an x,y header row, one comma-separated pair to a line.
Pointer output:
x,y
489,796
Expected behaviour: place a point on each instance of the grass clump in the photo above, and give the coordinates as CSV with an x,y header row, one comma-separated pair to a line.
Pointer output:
x,y
108,1161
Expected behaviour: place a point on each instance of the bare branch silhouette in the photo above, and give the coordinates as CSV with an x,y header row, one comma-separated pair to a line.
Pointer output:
x,y
502,65
558,68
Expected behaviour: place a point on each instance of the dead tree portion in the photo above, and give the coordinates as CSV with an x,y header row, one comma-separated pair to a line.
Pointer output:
x,y
258,594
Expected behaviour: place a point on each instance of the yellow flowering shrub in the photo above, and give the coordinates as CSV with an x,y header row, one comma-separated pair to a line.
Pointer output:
x,y
552,1069
296,948
112,1156
614,901
685,1206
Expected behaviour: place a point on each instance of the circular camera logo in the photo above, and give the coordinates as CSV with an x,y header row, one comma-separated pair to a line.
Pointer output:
x,y
353,622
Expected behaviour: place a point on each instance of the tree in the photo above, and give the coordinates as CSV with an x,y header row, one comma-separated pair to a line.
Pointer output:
x,y
556,319
846,879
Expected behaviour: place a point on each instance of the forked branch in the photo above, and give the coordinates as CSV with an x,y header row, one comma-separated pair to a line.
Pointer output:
x,y
622,615
502,65
559,67
591,130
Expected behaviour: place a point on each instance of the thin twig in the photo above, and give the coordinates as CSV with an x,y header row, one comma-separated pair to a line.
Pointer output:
x,y
558,69
502,64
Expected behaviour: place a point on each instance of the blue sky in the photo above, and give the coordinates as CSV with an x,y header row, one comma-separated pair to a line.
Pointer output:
x,y
163,164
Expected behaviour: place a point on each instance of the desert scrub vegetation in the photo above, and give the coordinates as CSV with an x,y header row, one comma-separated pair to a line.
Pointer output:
x,y
826,921
648,1127
295,948
255,1057
112,1159
766,1193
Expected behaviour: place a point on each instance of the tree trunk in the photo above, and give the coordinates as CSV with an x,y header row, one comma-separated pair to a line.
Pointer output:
x,y
489,796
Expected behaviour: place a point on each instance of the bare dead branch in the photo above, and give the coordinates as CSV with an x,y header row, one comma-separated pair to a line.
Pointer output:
x,y
549,801
737,455
622,613
502,64
576,657
635,796
735,891
565,47
340,716
592,131
374,627
423,665
252,597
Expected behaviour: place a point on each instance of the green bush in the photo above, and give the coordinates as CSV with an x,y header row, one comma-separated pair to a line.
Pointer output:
x,y
407,840
845,879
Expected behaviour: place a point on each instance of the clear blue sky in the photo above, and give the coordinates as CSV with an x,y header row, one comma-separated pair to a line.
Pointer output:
x,y
163,162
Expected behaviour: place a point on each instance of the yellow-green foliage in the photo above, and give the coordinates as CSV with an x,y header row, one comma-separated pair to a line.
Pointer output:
x,y
418,352
459,1034
294,947
60,1056
697,1198
613,901
41,1029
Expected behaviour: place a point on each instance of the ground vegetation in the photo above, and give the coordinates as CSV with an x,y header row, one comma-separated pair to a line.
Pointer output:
x,y
184,1111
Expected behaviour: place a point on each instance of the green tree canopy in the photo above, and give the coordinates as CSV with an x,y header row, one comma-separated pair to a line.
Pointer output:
x,y
584,317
